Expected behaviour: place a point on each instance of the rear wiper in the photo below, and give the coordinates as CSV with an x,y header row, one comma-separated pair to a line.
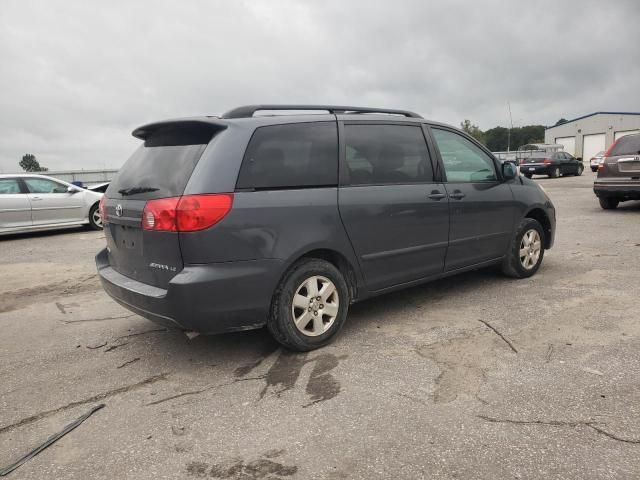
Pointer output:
x,y
133,190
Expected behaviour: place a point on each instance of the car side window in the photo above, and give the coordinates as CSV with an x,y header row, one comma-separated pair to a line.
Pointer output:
x,y
463,161
386,154
44,185
9,186
295,155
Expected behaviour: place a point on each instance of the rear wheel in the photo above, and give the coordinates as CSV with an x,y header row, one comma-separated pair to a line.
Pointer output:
x,y
528,175
554,172
95,220
594,169
608,203
526,250
580,170
309,306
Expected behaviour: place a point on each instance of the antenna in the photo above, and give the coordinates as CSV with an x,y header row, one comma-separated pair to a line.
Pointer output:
x,y
511,126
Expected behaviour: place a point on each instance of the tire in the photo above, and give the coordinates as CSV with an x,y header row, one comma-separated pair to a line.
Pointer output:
x,y
594,169
95,222
528,175
580,170
516,266
554,172
309,334
608,203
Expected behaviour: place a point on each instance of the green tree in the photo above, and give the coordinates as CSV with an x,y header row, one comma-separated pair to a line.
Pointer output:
x,y
30,164
472,130
561,121
496,139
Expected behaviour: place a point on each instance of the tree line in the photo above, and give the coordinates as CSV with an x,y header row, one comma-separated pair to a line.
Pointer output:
x,y
497,139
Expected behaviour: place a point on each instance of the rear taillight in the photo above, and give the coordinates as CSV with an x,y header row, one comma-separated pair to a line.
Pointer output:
x,y
103,210
189,213
547,161
608,152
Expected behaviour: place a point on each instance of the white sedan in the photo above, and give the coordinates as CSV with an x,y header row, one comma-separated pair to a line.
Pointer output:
x,y
30,202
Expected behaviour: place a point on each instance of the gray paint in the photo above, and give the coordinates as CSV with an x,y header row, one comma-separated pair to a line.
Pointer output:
x,y
607,123
390,236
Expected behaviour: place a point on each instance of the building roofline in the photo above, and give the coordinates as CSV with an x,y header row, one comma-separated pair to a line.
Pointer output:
x,y
591,115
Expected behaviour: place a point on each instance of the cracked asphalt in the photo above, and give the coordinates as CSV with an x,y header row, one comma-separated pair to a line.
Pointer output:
x,y
420,384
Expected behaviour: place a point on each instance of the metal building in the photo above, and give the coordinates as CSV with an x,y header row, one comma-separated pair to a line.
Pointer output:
x,y
583,137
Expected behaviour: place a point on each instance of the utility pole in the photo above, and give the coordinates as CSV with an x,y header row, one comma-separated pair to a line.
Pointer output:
x,y
511,126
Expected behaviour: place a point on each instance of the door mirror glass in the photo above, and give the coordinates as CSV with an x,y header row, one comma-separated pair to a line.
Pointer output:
x,y
509,171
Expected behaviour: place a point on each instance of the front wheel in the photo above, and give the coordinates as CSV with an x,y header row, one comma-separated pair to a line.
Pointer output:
x,y
309,306
526,250
608,203
95,220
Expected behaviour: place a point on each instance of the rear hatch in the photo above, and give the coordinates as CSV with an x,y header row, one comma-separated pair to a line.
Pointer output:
x,y
623,159
160,168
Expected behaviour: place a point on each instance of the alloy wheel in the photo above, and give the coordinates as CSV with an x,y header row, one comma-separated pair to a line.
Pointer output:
x,y
530,248
315,306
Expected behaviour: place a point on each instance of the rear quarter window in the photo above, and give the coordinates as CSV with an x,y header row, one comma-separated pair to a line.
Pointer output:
x,y
300,155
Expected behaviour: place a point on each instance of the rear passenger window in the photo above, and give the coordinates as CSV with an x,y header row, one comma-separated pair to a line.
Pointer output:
x,y
9,186
463,161
387,154
291,156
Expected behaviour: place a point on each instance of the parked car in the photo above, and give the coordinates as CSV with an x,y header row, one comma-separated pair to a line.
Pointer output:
x,y
99,187
618,177
30,202
228,223
595,160
551,164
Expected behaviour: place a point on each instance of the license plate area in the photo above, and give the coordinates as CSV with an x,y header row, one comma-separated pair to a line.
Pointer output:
x,y
532,169
631,166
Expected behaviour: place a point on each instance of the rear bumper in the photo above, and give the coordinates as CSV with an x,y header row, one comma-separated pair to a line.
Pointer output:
x,y
213,298
621,190
534,169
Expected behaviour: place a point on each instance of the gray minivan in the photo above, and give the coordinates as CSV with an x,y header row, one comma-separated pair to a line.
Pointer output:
x,y
229,223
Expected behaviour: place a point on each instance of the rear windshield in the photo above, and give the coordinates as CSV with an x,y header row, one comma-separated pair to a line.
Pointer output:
x,y
629,145
540,154
162,166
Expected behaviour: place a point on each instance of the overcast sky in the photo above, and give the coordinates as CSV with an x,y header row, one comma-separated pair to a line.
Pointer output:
x,y
78,76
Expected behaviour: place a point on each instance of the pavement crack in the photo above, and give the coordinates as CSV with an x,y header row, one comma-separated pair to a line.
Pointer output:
x,y
94,398
113,347
142,333
497,332
100,319
562,423
129,362
613,436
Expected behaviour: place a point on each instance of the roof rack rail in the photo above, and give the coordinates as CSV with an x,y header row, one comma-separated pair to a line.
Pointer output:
x,y
248,111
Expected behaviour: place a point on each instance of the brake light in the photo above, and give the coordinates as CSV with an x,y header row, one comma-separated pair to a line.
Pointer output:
x,y
102,208
189,213
547,161
608,152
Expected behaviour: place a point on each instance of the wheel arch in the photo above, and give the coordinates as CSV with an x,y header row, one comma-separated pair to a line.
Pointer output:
x,y
542,218
338,260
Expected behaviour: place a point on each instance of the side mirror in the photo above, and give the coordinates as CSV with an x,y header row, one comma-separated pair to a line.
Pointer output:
x,y
509,171
72,189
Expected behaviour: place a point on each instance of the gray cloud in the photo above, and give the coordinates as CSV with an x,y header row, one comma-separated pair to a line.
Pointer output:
x,y
78,76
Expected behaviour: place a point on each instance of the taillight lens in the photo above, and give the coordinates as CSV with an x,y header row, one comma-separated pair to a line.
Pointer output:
x,y
547,161
103,210
189,213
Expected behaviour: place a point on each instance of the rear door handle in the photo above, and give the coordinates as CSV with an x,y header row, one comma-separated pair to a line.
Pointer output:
x,y
36,198
436,195
457,194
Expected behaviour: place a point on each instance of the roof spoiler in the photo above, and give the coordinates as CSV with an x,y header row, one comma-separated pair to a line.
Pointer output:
x,y
213,124
249,110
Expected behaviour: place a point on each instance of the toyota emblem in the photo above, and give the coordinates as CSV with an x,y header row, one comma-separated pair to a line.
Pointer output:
x,y
119,210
